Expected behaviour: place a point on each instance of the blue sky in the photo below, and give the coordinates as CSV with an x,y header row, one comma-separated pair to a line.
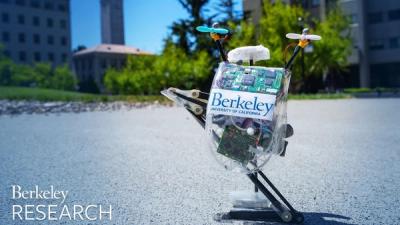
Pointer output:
x,y
146,21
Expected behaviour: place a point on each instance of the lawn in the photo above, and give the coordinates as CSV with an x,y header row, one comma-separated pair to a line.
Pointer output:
x,y
319,96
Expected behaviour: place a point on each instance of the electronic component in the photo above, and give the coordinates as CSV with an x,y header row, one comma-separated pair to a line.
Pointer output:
x,y
269,73
251,79
269,82
235,144
248,80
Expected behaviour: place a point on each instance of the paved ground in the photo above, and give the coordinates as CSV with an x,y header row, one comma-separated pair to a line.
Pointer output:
x,y
153,165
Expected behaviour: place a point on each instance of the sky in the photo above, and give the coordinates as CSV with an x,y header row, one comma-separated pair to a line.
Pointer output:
x,y
146,22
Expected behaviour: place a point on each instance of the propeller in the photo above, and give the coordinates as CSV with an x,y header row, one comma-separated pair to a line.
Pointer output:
x,y
312,37
206,29
304,39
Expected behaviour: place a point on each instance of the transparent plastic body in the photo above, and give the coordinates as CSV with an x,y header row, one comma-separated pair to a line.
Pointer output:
x,y
246,115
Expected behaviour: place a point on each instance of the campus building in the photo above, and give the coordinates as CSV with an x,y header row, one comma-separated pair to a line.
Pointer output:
x,y
91,64
375,58
36,30
112,22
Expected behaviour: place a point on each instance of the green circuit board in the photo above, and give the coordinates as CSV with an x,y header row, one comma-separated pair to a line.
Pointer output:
x,y
235,144
251,79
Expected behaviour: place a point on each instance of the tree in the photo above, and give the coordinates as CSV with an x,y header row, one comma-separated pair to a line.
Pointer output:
x,y
79,48
22,75
278,19
330,55
184,31
63,79
39,75
6,67
151,74
227,12
180,31
42,75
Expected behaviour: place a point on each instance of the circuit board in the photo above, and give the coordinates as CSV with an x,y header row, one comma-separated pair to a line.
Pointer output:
x,y
235,144
251,79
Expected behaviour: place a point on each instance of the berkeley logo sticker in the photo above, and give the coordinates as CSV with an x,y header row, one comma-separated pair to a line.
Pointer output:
x,y
241,104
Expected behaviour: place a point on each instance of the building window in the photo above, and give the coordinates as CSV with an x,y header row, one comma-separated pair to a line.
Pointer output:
x,y
114,63
62,8
36,38
376,17
50,57
5,18
64,57
394,42
394,14
22,56
35,4
49,22
5,37
63,41
36,21
48,5
37,57
21,38
50,40
21,19
315,3
90,64
20,2
63,24
377,44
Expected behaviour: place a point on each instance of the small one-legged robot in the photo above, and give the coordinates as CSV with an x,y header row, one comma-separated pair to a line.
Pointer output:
x,y
197,102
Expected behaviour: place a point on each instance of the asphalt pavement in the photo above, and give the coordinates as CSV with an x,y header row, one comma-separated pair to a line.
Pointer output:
x,y
153,165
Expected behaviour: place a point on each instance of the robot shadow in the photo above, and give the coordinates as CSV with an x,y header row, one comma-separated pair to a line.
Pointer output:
x,y
314,218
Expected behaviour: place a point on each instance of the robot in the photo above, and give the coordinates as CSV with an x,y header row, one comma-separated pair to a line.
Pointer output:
x,y
244,116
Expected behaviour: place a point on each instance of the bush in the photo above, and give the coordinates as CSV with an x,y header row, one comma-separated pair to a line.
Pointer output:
x,y
6,71
148,75
63,79
357,90
40,75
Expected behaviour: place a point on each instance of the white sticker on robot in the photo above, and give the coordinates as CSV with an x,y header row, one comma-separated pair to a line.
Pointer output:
x,y
241,104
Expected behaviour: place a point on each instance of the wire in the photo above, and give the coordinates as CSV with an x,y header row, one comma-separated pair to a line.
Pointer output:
x,y
286,50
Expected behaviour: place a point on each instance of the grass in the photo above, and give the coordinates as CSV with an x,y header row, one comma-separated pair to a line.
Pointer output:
x,y
39,94
318,96
370,90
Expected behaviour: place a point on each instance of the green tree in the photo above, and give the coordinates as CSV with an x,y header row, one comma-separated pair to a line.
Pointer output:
x,y
136,78
42,74
63,79
6,68
184,31
151,74
227,13
278,19
22,75
39,75
330,56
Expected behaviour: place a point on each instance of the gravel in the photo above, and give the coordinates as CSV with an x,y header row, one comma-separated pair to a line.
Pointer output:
x,y
153,165
12,107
